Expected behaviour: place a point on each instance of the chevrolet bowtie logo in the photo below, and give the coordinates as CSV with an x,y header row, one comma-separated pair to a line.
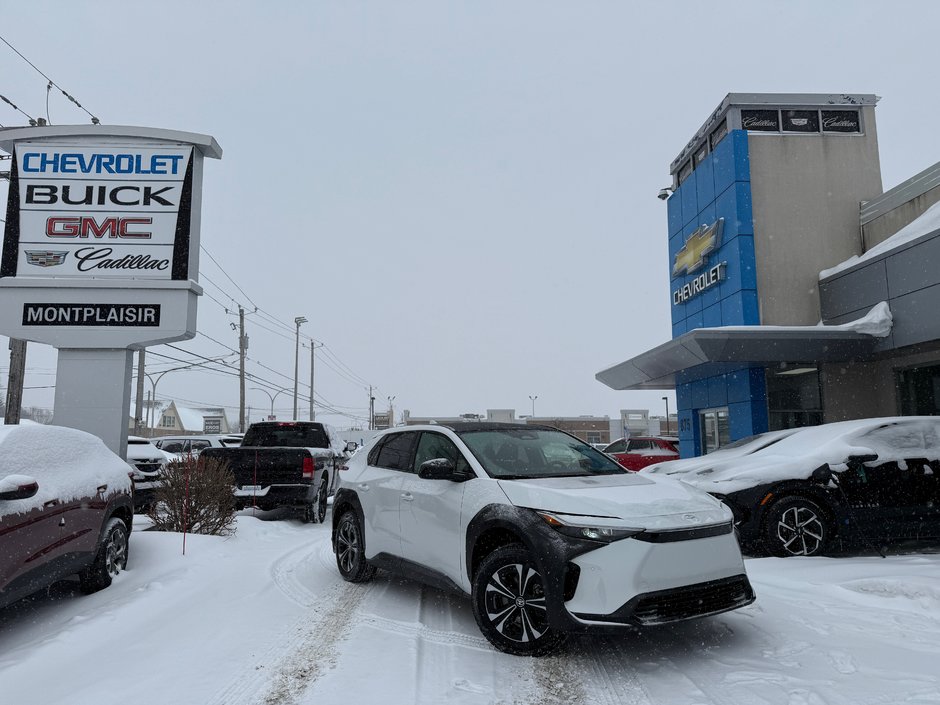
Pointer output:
x,y
700,244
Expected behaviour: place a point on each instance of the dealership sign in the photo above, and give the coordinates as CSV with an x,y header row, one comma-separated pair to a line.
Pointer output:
x,y
101,211
705,240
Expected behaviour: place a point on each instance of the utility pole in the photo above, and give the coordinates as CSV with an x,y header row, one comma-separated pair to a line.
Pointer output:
x,y
242,349
15,381
313,349
139,402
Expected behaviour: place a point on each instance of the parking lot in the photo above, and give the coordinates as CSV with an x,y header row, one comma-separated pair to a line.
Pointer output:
x,y
263,617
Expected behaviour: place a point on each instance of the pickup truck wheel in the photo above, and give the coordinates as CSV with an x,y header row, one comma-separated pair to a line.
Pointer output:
x,y
110,559
350,550
318,508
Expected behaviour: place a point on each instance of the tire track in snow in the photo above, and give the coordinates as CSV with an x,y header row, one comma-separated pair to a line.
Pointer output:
x,y
293,661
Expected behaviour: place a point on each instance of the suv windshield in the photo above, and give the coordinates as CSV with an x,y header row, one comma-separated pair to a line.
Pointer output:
x,y
532,453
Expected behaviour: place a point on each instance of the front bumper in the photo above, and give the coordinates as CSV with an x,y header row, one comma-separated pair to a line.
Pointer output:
x,y
660,577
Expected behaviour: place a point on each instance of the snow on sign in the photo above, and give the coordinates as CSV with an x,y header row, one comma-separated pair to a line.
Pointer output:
x,y
101,211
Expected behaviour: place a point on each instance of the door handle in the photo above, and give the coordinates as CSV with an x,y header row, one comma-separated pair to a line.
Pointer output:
x,y
51,503
407,497
363,486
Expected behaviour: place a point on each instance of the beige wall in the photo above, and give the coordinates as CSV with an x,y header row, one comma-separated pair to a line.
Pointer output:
x,y
883,227
806,191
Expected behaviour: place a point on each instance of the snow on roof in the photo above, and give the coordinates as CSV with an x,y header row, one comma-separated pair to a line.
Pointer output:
x,y
193,418
67,463
926,223
877,322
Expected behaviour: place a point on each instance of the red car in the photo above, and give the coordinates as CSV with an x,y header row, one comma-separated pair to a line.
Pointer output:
x,y
638,452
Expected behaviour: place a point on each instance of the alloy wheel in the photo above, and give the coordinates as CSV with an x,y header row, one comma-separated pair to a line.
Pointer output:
x,y
515,603
801,531
347,545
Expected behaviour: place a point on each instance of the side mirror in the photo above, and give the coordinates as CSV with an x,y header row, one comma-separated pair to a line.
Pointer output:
x,y
18,487
860,459
351,446
822,474
440,469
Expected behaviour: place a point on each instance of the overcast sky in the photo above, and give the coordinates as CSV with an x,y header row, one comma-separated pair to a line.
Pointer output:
x,y
459,197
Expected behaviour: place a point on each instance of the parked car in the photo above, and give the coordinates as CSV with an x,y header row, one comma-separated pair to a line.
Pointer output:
x,y
61,513
285,463
638,452
544,533
147,461
797,492
194,445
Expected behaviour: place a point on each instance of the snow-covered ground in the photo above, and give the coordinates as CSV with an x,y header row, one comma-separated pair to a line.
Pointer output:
x,y
263,617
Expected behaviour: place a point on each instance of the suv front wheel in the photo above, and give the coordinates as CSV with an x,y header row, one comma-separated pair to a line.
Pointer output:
x,y
350,550
110,559
509,603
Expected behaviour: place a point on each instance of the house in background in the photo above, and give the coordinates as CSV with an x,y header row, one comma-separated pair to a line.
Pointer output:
x,y
168,418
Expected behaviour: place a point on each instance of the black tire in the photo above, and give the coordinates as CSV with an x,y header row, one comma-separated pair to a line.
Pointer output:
x,y
508,600
110,559
315,510
350,550
796,526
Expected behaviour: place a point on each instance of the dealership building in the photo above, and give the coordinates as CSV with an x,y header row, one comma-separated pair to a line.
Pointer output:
x,y
800,291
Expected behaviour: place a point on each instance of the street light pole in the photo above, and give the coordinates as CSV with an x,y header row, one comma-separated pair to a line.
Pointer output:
x,y
272,397
297,321
151,416
666,399
533,398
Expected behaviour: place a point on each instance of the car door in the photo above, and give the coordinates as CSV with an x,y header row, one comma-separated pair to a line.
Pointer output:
x,y
379,488
431,533
635,456
881,499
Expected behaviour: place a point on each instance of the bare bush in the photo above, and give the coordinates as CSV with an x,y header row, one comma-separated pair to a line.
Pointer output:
x,y
195,497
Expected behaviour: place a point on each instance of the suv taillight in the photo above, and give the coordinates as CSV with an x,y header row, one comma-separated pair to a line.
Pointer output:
x,y
308,468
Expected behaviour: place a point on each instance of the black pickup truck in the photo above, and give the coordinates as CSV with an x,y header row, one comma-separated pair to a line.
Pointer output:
x,y
280,464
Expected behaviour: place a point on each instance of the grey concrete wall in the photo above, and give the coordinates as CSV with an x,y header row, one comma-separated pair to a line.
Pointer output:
x,y
806,191
883,227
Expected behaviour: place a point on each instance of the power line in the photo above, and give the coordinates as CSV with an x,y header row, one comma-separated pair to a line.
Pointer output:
x,y
203,248
94,120
9,102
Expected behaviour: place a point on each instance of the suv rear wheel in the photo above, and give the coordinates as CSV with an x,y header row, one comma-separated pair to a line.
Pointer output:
x,y
509,603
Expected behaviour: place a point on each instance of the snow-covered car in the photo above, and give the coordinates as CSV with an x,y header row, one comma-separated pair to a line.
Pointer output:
x,y
544,533
65,509
147,461
796,492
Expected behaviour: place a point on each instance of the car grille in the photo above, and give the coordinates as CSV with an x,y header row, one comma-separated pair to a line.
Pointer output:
x,y
693,601
148,465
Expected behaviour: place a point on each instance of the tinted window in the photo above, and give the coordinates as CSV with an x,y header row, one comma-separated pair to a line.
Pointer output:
x,y
172,446
616,447
289,435
639,445
373,457
199,445
395,453
436,445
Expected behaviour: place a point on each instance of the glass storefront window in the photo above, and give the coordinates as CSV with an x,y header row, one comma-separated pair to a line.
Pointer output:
x,y
794,398
919,391
715,429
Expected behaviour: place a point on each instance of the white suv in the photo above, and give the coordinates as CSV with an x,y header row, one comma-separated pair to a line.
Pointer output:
x,y
545,533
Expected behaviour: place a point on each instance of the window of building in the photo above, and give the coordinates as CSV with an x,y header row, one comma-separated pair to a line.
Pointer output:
x,y
718,134
794,396
801,121
685,171
760,120
919,391
168,421
594,437
700,154
841,121
714,428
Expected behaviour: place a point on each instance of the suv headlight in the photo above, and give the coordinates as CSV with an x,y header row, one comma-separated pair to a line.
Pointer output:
x,y
583,528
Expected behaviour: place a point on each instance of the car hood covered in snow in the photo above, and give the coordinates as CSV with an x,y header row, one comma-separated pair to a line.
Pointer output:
x,y
644,502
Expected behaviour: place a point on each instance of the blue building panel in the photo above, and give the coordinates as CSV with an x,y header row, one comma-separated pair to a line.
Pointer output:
x,y
699,393
689,202
719,187
711,315
717,391
674,211
704,183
